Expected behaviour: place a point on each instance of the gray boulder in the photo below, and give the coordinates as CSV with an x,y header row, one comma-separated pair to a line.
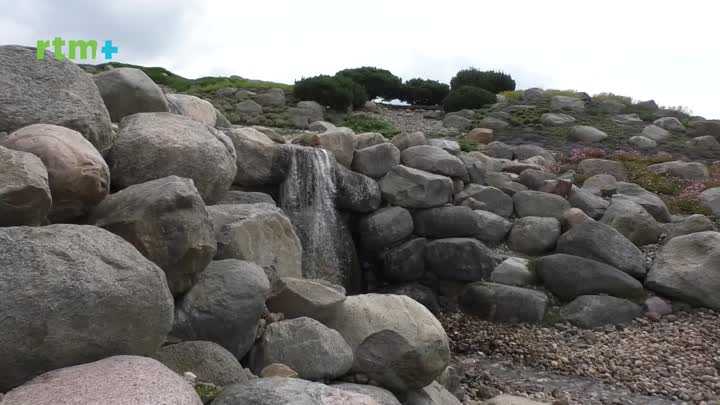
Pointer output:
x,y
504,182
706,142
368,139
24,190
420,293
166,221
210,362
385,227
433,394
460,259
569,277
627,119
534,235
495,124
313,350
381,395
655,133
375,161
413,188
514,271
692,224
600,242
283,391
192,107
492,228
600,185
534,179
587,134
457,122
538,204
499,150
688,268
260,233
589,203
593,167
707,128
321,126
271,98
245,197
642,142
527,151
449,146
356,192
592,311
408,140
684,170
259,160
224,306
711,200
446,222
405,351
340,142
670,124
611,107
118,380
248,107
653,204
127,91
151,146
50,92
565,103
405,262
295,298
556,120
434,160
633,222
87,275
503,303
490,199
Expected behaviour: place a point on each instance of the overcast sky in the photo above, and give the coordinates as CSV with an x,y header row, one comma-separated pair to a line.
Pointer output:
x,y
664,50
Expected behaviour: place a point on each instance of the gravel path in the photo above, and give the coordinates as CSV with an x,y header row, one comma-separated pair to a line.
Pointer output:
x,y
676,359
411,121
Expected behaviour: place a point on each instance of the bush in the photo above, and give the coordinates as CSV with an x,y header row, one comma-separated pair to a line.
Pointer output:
x,y
468,97
495,82
337,93
424,92
376,82
612,97
364,122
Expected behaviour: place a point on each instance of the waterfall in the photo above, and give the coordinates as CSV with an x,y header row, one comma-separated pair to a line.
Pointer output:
x,y
308,198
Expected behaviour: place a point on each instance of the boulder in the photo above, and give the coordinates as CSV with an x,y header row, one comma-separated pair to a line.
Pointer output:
x,y
611,107
384,228
504,182
711,200
592,311
503,303
151,146
653,204
692,224
534,179
128,91
418,292
248,107
433,394
648,105
492,228
316,110
642,142
597,241
495,124
490,199
368,139
534,235
538,204
670,124
259,160
481,136
449,146
633,222
702,128
224,306
688,268
413,188
210,362
405,262
706,142
193,107
514,271
220,120
589,203
587,134
24,190
534,94
118,380
655,133
271,98
601,185
381,395
166,221
511,400
245,197
527,151
627,119
693,171
457,122
313,350
556,120
408,140
446,222
434,160
260,233
56,92
375,161
593,167
356,192
573,217
566,103
95,289
499,150
77,175
569,277
321,126
295,298
283,391
460,259
396,341
339,142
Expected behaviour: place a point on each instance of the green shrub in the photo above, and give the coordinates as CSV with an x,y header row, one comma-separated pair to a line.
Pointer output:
x,y
424,92
376,82
337,93
512,95
613,97
489,80
366,122
467,146
468,97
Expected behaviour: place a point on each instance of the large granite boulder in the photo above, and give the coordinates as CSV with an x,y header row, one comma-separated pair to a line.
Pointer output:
x,y
592,311
384,228
192,107
539,204
434,160
295,298
413,188
503,303
376,160
460,259
260,161
283,391
633,222
446,222
128,91
24,190
534,235
210,362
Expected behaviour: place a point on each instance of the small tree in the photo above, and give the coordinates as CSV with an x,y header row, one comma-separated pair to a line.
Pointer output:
x,y
493,81
424,92
326,90
376,82
468,97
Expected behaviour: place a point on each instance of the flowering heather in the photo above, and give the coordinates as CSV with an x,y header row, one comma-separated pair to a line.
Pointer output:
x,y
580,153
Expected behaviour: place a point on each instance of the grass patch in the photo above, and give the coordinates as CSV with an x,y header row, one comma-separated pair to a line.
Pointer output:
x,y
466,146
600,97
365,122
207,392
512,95
556,92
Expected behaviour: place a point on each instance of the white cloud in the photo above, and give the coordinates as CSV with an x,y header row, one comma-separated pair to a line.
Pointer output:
x,y
645,49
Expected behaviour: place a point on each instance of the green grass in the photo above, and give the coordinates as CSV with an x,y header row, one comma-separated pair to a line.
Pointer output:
x,y
512,95
207,392
614,97
466,146
555,92
366,122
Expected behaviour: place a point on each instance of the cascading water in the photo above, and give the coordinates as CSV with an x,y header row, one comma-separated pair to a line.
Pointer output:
x,y
308,198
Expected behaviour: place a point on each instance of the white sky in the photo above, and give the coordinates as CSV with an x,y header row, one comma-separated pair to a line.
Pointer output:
x,y
664,50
